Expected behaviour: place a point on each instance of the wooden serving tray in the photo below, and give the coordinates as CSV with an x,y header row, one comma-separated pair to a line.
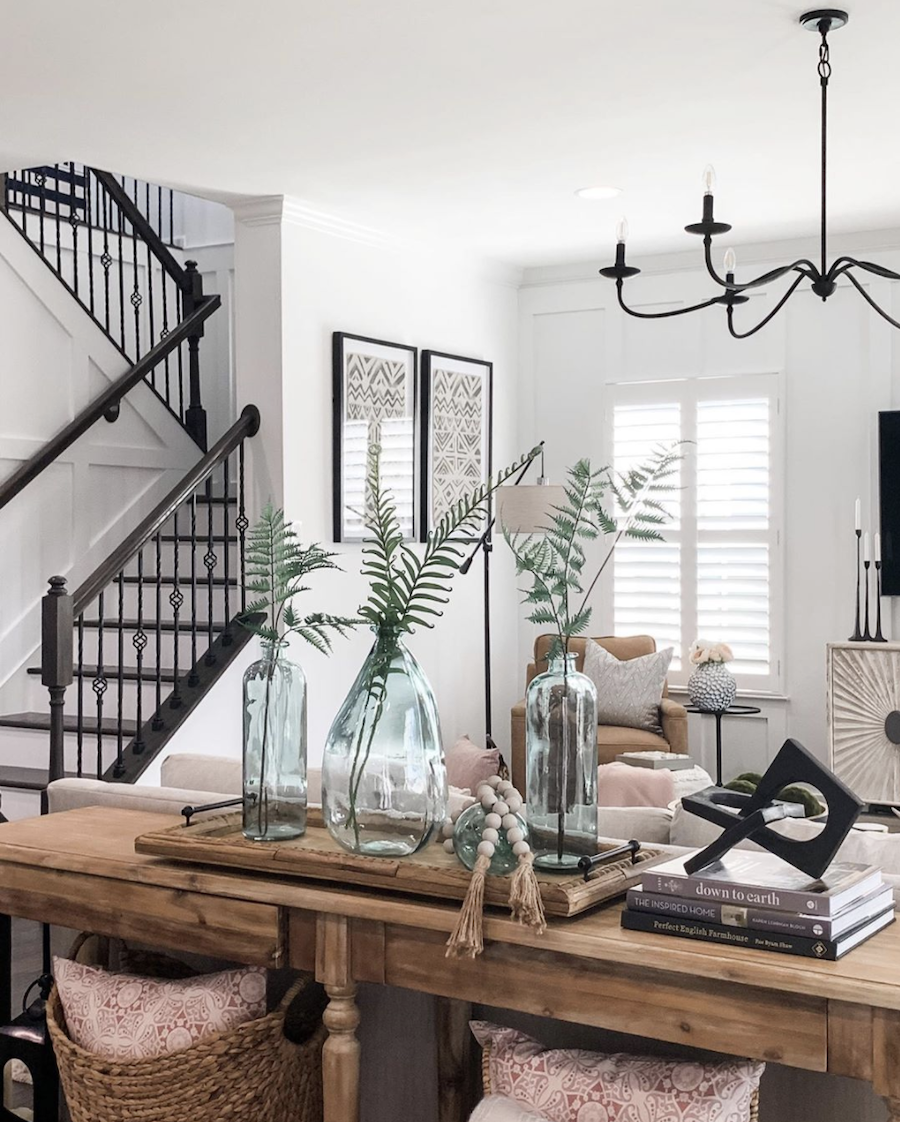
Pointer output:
x,y
430,872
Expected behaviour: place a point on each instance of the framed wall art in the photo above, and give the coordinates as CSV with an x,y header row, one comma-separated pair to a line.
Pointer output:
x,y
456,431
375,399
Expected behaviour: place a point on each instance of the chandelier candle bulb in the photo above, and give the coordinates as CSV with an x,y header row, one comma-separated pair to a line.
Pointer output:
x,y
622,230
709,179
730,262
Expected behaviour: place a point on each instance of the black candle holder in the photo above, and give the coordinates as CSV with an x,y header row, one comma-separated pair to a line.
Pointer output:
x,y
856,637
878,637
867,634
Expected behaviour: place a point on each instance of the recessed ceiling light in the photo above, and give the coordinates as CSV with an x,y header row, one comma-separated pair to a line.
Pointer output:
x,y
597,194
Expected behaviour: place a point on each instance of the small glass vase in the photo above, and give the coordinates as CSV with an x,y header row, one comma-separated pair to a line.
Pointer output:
x,y
275,795
561,765
384,784
467,836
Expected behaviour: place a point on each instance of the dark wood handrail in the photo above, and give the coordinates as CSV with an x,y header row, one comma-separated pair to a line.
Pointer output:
x,y
111,396
246,425
141,226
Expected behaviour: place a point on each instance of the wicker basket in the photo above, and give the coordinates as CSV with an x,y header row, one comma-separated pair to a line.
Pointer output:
x,y
249,1074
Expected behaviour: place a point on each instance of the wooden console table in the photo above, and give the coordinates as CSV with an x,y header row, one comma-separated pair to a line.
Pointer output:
x,y
78,869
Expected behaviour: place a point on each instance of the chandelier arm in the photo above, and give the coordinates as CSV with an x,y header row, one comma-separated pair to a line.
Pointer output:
x,y
843,264
662,315
868,299
802,265
762,323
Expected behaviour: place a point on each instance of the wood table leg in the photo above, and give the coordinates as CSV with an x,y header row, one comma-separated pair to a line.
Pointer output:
x,y
340,1055
893,1106
457,1090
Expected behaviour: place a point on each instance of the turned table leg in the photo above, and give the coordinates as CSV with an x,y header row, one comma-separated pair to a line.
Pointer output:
x,y
340,1055
893,1106
457,1071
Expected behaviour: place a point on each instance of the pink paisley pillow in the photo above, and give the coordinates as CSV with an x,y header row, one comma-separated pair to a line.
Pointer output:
x,y
468,765
571,1085
127,1017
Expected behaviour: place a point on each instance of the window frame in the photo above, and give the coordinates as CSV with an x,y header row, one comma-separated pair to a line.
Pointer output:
x,y
688,393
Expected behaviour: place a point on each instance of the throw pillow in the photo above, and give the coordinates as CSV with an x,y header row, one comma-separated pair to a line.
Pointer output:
x,y
129,1017
628,690
572,1085
621,784
468,765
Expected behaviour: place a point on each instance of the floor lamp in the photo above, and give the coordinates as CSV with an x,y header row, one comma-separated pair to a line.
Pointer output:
x,y
521,510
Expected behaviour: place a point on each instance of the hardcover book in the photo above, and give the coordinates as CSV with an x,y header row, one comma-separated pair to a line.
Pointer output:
x,y
762,919
827,949
761,880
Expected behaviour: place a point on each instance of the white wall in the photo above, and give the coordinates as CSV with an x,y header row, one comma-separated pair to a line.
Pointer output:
x,y
840,365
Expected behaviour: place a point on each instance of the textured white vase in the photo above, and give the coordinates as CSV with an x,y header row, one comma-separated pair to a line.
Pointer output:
x,y
712,687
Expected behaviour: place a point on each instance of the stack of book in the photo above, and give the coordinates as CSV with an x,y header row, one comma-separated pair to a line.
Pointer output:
x,y
756,900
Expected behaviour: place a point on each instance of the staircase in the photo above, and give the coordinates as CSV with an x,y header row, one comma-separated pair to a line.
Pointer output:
x,y
130,653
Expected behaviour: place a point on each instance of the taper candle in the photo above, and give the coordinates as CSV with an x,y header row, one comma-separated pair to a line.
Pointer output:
x,y
877,547
867,556
858,518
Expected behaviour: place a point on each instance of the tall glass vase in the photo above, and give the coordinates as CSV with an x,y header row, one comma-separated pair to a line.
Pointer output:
x,y
274,747
384,784
561,765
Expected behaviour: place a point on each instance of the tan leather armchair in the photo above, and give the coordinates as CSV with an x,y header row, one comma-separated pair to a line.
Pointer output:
x,y
611,739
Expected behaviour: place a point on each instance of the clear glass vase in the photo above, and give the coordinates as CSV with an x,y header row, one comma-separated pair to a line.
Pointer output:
x,y
384,784
274,747
561,765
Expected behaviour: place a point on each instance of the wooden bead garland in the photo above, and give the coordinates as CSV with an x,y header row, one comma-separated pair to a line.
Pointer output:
x,y
501,802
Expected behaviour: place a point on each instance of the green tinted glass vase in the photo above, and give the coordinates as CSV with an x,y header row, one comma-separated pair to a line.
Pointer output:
x,y
384,784
275,792
561,765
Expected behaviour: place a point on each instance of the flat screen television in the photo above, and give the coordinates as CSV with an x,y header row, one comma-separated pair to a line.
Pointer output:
x,y
889,492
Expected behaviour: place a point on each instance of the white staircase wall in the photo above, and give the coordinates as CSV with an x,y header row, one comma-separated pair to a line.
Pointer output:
x,y
53,363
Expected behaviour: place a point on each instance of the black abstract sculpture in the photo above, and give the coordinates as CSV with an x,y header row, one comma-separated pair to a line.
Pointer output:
x,y
750,816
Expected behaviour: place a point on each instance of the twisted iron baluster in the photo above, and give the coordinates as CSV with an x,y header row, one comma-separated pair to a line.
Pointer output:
x,y
157,722
139,641
152,328
40,179
106,258
73,222
193,677
120,730
99,685
176,599
121,225
241,523
210,561
225,548
89,217
56,211
79,734
136,298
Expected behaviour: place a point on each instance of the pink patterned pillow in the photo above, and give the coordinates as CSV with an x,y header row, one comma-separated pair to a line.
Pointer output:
x,y
468,765
571,1085
127,1017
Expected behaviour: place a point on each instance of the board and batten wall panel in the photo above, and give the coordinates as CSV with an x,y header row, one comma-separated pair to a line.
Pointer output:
x,y
54,361
839,364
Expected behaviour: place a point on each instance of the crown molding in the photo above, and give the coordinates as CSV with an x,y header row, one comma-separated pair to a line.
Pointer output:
x,y
854,243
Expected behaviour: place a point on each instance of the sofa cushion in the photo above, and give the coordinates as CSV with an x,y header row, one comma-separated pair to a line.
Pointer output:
x,y
649,824
629,646
71,794
573,1085
202,773
629,691
498,1108
130,1017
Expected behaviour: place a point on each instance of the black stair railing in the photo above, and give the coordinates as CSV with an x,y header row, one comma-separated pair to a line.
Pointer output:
x,y
109,240
108,400
113,632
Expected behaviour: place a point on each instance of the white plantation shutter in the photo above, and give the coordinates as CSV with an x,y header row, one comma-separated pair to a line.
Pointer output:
x,y
717,575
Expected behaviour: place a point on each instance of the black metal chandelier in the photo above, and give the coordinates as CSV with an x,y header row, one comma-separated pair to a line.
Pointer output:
x,y
822,277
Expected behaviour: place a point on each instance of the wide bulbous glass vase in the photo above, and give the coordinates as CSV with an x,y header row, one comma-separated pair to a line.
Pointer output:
x,y
561,765
384,784
275,792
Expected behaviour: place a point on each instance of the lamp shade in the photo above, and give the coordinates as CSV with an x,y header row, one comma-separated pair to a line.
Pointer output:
x,y
527,509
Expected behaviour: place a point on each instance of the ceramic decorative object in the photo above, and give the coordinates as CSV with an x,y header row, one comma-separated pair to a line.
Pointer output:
x,y
561,767
384,784
711,687
274,747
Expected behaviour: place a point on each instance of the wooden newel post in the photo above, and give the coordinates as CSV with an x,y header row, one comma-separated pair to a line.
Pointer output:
x,y
57,621
195,415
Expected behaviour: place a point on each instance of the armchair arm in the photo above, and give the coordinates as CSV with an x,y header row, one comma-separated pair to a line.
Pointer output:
x,y
517,745
674,720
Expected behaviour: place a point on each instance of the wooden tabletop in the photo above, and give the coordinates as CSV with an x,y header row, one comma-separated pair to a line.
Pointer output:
x,y
97,842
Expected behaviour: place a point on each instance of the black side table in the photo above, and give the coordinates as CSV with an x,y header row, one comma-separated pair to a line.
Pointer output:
x,y
731,711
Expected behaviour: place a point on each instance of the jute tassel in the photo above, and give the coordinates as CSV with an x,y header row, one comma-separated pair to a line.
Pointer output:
x,y
525,903
467,939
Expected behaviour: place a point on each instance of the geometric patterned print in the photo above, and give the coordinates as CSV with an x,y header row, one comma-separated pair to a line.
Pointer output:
x,y
864,688
375,388
629,691
125,1016
572,1085
457,453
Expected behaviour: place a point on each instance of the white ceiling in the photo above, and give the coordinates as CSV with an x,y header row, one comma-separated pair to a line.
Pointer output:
x,y
471,120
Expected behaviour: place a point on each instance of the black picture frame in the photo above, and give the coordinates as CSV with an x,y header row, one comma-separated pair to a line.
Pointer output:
x,y
434,363
344,347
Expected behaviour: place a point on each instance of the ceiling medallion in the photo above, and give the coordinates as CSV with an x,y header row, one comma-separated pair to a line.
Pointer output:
x,y
822,276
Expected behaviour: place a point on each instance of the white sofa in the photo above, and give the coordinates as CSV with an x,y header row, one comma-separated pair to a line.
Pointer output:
x,y
392,1087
